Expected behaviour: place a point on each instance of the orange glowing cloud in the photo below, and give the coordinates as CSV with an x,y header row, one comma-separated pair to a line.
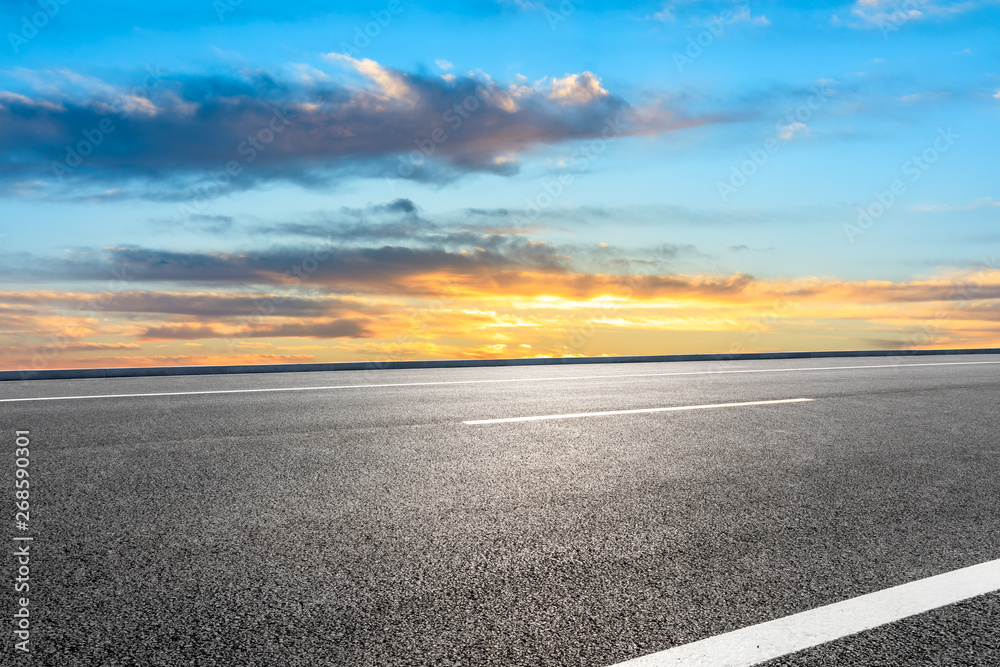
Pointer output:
x,y
506,313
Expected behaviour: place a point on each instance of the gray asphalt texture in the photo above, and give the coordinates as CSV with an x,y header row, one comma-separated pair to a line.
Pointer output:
x,y
370,526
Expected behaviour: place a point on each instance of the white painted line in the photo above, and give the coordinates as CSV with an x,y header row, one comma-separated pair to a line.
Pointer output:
x,y
494,381
633,412
773,639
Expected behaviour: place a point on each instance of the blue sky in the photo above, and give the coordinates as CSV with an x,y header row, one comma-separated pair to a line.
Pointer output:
x,y
695,139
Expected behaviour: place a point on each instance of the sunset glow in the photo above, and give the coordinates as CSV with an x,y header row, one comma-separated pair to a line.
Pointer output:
x,y
281,190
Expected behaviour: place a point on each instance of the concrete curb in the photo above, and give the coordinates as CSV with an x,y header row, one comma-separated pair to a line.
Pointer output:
x,y
158,371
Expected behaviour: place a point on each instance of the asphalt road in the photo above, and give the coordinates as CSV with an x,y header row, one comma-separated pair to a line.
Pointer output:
x,y
369,525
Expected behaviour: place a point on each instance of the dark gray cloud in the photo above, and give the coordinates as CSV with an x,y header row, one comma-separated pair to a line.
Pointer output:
x,y
398,206
383,248
217,305
232,308
214,224
185,128
573,217
398,220
342,269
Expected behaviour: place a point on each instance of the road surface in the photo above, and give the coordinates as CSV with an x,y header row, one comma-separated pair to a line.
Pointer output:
x,y
414,517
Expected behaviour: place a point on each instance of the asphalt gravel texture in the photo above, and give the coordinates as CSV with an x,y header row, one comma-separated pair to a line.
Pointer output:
x,y
370,526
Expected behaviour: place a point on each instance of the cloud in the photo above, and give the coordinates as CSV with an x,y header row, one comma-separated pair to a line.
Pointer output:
x,y
186,133
791,130
181,332
382,269
400,222
665,14
392,84
198,304
389,248
90,347
743,15
724,13
890,15
975,204
312,329
577,89
199,223
450,313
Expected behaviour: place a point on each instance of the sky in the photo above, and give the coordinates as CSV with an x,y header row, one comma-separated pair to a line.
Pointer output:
x,y
240,181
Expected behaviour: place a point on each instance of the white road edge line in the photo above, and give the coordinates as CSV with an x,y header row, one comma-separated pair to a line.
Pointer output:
x,y
494,381
505,420
773,639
